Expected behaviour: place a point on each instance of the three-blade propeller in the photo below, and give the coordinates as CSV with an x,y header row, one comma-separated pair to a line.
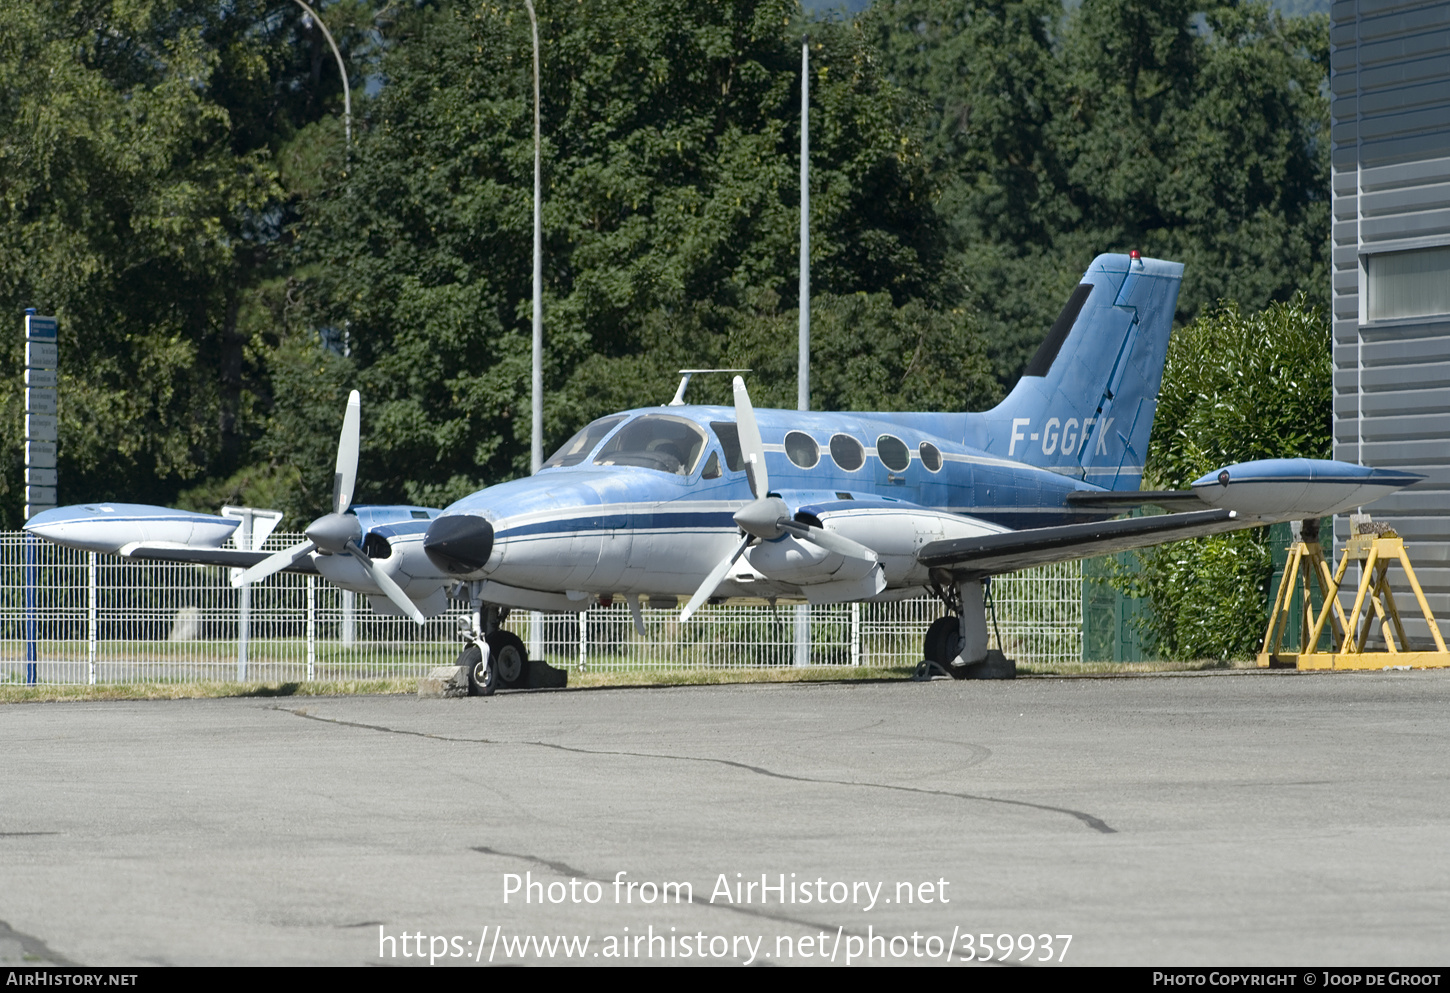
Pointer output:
x,y
338,533
767,517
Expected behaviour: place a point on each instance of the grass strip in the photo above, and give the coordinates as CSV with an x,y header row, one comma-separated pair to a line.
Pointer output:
x,y
13,693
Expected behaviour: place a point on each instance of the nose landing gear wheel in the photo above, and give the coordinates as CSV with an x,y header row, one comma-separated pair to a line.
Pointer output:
x,y
482,675
510,660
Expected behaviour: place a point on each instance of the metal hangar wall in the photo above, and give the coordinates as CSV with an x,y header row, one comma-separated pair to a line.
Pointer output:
x,y
1390,119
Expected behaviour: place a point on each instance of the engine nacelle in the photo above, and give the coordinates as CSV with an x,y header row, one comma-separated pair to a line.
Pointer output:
x,y
793,560
896,532
393,539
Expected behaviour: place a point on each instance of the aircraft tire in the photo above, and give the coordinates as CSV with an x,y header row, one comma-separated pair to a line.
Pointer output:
x,y
482,680
510,659
943,641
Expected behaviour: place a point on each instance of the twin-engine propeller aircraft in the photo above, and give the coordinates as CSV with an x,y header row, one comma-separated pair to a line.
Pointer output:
x,y
709,503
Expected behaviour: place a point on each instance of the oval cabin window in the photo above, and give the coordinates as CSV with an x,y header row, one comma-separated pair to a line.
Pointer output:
x,y
802,449
848,452
930,456
893,453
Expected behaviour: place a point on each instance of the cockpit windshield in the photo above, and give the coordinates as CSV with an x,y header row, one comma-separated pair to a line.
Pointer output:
x,y
577,448
656,441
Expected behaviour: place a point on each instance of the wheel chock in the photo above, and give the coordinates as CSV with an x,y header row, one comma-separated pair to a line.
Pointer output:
x,y
541,676
994,666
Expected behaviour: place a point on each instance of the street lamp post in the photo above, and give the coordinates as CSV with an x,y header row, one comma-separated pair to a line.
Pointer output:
x,y
803,367
537,450
536,441
346,89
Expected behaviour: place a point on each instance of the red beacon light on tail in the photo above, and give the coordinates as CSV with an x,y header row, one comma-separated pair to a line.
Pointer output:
x,y
1136,256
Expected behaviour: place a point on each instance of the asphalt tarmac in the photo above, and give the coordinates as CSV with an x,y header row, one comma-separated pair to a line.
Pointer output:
x,y
1218,819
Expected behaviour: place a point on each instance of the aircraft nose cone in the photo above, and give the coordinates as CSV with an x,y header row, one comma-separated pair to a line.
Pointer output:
x,y
459,544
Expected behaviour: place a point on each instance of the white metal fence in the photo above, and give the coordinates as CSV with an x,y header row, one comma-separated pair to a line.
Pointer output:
x,y
76,617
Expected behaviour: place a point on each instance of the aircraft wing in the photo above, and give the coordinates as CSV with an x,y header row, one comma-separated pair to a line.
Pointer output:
x,y
988,555
232,557
1243,495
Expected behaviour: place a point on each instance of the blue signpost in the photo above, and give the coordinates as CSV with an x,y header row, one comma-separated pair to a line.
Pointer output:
x,y
41,365
29,610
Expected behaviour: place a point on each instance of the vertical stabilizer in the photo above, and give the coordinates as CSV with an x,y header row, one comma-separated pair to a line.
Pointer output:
x,y
1085,404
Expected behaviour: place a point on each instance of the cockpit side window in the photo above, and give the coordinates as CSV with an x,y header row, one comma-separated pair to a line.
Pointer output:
x,y
656,441
729,434
577,448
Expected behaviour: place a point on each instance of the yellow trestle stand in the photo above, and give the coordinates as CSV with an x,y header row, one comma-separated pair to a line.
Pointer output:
x,y
1378,547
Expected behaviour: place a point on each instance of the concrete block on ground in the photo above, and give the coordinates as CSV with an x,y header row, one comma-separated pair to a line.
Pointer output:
x,y
444,681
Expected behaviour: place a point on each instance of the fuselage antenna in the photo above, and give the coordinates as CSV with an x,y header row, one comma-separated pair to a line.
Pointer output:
x,y
685,374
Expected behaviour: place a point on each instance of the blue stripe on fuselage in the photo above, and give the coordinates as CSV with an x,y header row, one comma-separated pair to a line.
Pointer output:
x,y
634,521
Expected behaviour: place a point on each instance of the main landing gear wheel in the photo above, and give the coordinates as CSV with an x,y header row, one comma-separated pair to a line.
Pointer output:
x,y
943,645
943,641
509,658
482,676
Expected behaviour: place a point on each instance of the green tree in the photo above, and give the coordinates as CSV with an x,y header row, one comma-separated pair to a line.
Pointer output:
x,y
868,354
1236,387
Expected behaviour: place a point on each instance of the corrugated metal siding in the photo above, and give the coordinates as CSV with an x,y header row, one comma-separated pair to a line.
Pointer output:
x,y
1390,110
